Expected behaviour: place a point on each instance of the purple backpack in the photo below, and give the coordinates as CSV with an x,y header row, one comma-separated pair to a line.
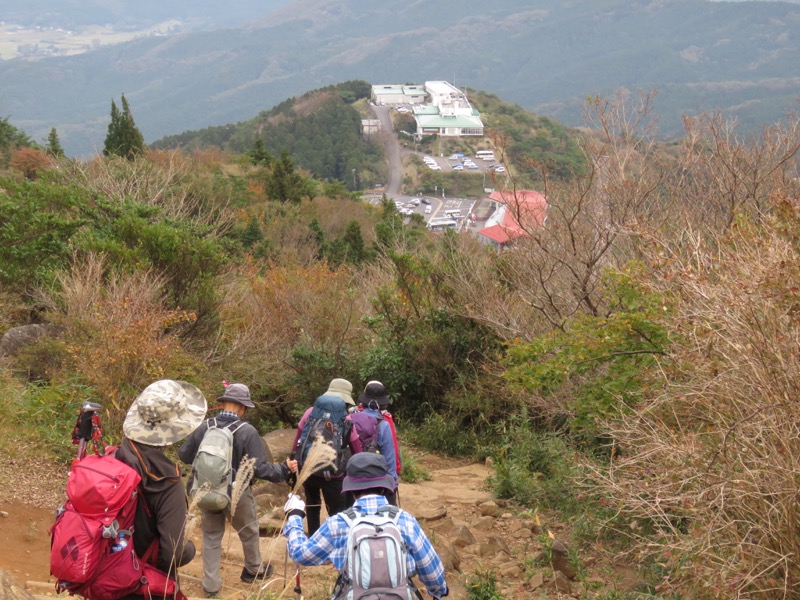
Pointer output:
x,y
366,427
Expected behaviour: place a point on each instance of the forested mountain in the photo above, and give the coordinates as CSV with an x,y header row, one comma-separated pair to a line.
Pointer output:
x,y
741,57
321,131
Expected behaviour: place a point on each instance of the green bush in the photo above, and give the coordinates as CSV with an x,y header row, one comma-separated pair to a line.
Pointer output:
x,y
413,472
439,433
535,468
482,585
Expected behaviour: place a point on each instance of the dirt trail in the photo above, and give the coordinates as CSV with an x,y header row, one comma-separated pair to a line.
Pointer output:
x,y
456,486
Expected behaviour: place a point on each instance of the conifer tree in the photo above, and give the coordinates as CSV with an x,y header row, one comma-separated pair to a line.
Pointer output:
x,y
54,147
123,138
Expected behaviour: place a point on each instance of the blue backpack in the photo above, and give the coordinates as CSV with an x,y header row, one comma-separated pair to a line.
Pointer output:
x,y
326,421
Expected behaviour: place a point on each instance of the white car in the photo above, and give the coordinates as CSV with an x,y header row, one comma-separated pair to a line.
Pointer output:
x,y
458,167
402,109
428,209
499,169
435,167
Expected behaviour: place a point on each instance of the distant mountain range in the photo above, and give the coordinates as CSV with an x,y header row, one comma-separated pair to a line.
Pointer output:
x,y
547,56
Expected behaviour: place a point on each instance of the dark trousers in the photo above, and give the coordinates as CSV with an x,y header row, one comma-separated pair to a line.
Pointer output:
x,y
316,488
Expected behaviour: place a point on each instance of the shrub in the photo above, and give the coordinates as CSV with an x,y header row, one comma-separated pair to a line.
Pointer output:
x,y
118,335
482,585
535,469
413,471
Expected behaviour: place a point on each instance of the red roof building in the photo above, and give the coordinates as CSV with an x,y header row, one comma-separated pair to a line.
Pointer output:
x,y
516,212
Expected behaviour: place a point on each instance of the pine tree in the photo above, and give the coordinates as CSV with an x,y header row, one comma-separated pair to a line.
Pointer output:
x,y
123,138
54,147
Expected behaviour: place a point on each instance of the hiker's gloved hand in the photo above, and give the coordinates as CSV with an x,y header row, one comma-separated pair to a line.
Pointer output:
x,y
295,506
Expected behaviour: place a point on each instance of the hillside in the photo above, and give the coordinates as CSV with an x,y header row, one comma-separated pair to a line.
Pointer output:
x,y
321,131
739,57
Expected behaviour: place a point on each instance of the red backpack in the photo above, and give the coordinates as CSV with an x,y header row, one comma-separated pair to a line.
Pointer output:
x,y
86,557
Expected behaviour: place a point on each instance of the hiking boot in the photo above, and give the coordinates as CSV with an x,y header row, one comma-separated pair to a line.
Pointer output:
x,y
212,594
263,572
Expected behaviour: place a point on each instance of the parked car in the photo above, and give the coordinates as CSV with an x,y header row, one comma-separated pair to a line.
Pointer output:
x,y
414,202
402,109
472,167
499,169
435,167
428,209
458,167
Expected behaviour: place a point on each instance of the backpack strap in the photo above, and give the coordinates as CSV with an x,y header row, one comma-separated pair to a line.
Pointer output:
x,y
390,510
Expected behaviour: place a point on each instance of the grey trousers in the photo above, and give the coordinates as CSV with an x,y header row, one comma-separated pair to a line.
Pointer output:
x,y
245,523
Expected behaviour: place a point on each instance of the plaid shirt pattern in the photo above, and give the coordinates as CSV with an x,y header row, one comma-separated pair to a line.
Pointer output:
x,y
330,541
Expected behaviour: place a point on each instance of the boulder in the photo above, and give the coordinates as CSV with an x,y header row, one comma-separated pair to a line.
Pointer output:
x,y
489,508
16,338
279,444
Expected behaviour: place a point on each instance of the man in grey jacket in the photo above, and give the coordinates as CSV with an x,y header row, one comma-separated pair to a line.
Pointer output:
x,y
247,443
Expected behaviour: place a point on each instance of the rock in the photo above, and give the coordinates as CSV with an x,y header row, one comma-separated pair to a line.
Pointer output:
x,y
561,583
279,444
11,590
489,462
489,508
442,526
430,513
484,523
269,527
461,536
493,546
3,514
511,572
269,495
536,581
450,557
561,561
16,338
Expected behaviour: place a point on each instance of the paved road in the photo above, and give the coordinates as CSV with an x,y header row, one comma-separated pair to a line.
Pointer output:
x,y
392,149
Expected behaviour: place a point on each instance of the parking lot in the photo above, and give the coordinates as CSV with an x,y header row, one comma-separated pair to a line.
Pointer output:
x,y
463,164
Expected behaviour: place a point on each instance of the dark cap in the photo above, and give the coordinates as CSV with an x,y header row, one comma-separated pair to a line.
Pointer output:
x,y
375,392
239,393
367,470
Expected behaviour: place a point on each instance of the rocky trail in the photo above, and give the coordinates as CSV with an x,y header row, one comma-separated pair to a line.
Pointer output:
x,y
472,531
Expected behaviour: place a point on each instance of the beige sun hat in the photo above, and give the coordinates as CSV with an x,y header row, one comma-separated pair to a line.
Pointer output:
x,y
164,413
343,389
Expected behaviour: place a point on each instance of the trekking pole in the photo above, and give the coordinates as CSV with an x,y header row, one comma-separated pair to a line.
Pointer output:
x,y
297,589
87,428
292,481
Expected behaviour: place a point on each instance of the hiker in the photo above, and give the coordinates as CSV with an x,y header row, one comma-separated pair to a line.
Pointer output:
x,y
247,443
375,428
368,480
327,483
163,414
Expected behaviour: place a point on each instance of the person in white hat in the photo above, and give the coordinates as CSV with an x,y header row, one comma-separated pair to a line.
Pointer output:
x,y
163,414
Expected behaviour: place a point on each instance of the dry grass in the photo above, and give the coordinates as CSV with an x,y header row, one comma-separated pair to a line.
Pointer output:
x,y
243,476
320,456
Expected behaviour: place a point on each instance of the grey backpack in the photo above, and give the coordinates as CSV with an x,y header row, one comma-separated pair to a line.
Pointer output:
x,y
375,565
212,467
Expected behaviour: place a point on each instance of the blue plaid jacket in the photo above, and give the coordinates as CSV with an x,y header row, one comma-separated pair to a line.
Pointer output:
x,y
329,544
